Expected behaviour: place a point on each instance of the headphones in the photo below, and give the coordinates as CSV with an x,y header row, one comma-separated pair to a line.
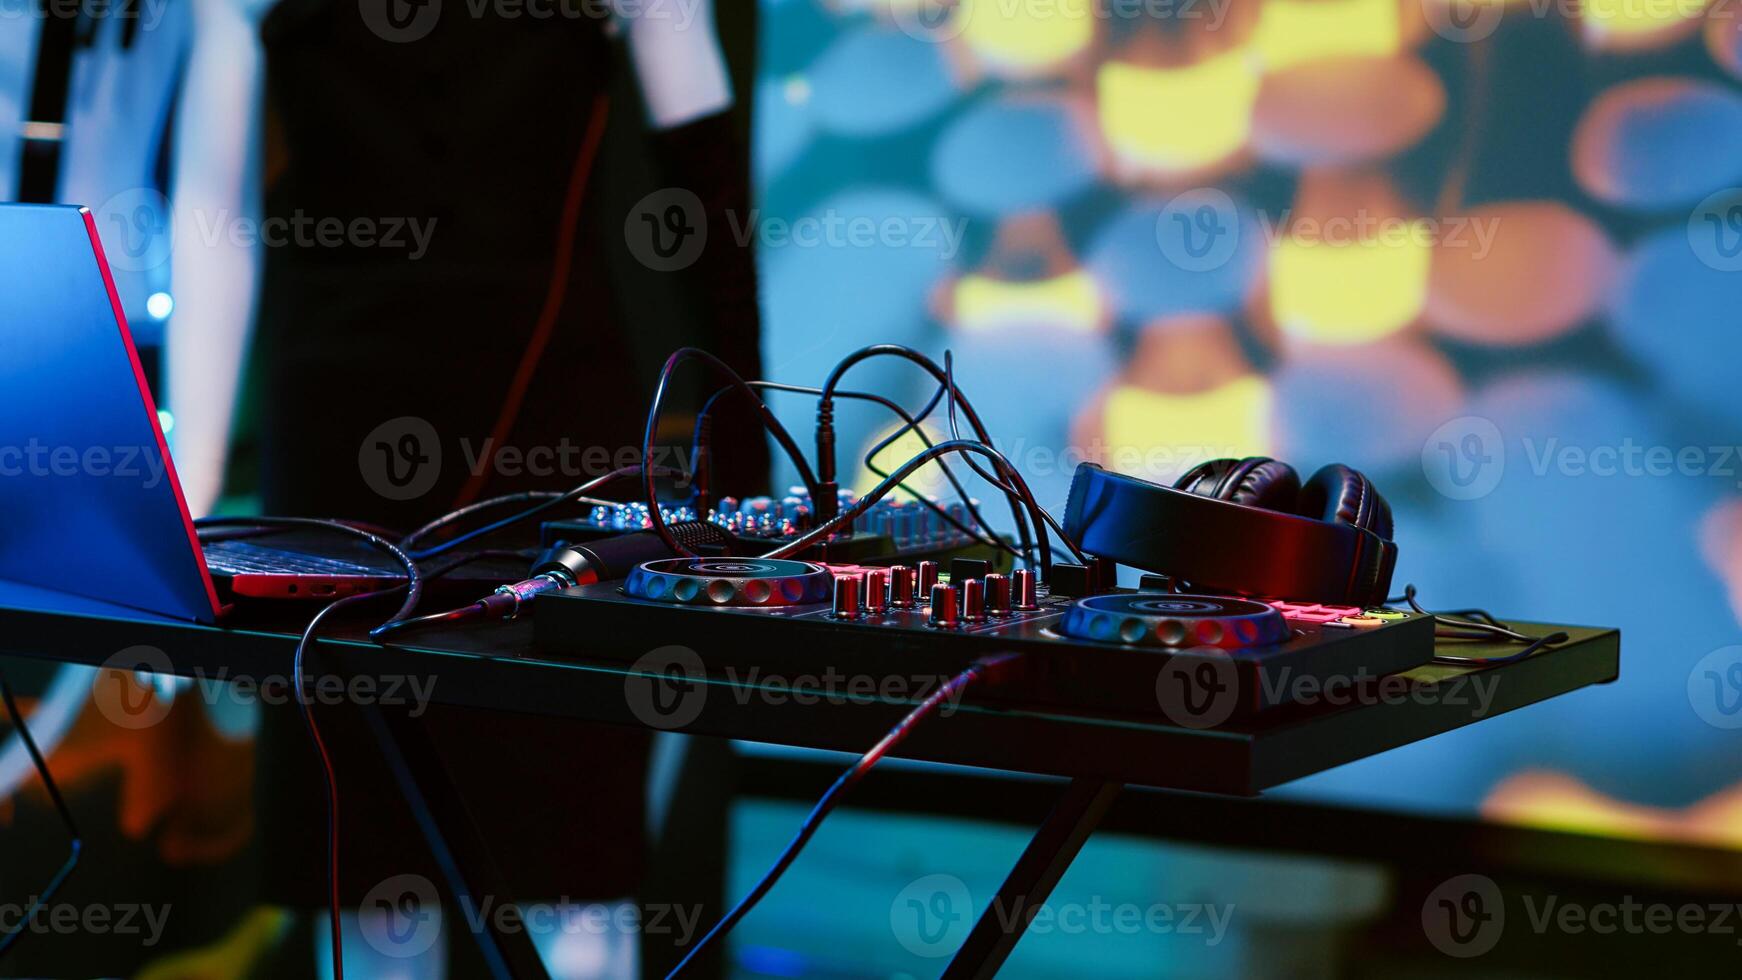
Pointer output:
x,y
1243,526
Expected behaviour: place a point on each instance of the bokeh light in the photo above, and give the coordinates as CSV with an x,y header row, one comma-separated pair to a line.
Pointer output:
x,y
1170,121
1345,110
1019,38
1519,273
1659,143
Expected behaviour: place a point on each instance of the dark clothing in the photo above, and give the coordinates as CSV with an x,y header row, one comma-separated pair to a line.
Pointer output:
x,y
477,127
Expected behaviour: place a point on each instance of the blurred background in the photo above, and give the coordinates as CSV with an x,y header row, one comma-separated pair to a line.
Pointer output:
x,y
1487,251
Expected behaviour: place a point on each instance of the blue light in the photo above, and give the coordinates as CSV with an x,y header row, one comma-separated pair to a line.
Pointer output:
x,y
159,305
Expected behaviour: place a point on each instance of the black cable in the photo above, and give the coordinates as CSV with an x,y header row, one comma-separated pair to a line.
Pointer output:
x,y
769,421
987,536
1477,624
955,433
410,541
832,798
77,845
826,421
901,473
413,586
567,496
1026,550
413,578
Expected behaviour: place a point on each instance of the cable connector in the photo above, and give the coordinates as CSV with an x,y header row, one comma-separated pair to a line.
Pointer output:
x,y
506,601
827,498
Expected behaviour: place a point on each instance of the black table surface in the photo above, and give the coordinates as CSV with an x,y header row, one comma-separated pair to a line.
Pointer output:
x,y
495,666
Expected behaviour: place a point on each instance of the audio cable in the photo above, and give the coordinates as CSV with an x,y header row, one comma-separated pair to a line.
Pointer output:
x,y
895,479
1476,624
769,421
577,494
955,433
413,586
989,669
76,844
701,454
410,541
825,428
564,566
556,289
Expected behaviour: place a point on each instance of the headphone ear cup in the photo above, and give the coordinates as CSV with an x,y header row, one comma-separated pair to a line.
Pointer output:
x,y
1256,481
1341,495
1204,478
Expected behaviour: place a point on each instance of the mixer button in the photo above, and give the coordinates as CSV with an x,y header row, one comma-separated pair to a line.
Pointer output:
x,y
944,614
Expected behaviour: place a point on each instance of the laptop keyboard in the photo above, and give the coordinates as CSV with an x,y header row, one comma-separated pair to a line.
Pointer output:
x,y
243,558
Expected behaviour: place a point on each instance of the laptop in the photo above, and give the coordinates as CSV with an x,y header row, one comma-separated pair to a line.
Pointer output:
x,y
89,499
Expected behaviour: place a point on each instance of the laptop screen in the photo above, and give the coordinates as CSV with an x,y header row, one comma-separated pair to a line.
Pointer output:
x,y
89,503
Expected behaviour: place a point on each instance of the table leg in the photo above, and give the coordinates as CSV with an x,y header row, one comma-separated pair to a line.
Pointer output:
x,y
1042,864
439,808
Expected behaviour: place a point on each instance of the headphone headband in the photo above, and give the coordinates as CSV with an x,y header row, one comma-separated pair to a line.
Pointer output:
x,y
1226,547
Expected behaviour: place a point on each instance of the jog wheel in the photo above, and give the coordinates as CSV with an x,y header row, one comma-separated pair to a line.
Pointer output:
x,y
1160,620
730,582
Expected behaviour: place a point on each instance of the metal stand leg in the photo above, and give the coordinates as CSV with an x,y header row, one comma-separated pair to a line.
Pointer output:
x,y
1043,863
454,841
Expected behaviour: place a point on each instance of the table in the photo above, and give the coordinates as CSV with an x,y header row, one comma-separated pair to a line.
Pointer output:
x,y
495,666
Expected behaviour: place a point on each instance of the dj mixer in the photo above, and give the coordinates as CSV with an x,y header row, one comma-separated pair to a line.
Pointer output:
x,y
1189,659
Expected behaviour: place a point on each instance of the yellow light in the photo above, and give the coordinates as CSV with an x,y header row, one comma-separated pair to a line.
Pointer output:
x,y
1160,435
1352,290
1291,32
1639,23
1178,119
1020,36
1070,301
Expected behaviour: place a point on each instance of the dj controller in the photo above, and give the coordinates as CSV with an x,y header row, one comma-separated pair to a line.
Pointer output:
x,y
1188,659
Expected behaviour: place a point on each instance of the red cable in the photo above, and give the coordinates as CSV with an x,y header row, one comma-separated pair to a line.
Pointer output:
x,y
553,300
993,668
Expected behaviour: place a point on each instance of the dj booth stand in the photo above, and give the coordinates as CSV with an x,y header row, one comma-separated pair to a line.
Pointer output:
x,y
496,667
